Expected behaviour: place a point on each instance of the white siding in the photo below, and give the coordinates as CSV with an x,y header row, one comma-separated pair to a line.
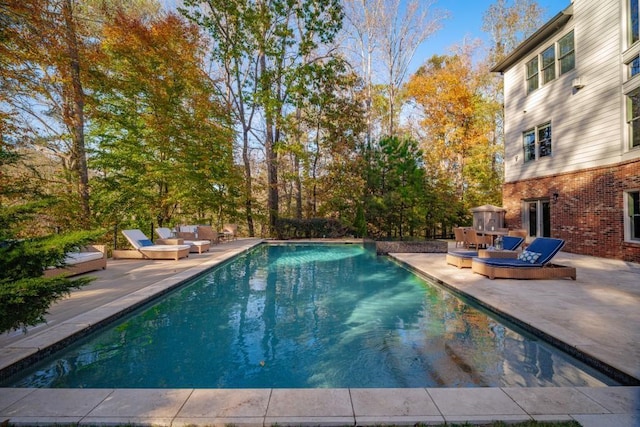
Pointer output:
x,y
588,124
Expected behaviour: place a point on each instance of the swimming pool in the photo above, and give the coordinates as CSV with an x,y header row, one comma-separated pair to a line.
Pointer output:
x,y
309,316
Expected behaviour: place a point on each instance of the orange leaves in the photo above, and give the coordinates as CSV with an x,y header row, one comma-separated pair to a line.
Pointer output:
x,y
457,116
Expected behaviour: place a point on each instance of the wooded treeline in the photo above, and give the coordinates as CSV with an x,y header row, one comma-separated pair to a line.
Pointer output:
x,y
125,113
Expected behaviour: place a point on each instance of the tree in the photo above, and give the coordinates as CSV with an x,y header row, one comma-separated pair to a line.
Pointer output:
x,y
25,295
276,37
387,34
401,35
399,190
362,16
233,49
509,25
42,70
333,122
458,120
164,143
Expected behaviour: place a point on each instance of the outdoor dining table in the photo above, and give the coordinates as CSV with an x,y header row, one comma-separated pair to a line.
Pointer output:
x,y
492,233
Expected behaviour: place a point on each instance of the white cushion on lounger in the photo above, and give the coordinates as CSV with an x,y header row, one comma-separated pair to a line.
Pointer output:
x,y
197,242
72,258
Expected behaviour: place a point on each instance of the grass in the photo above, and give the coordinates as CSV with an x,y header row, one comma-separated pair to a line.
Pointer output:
x,y
521,424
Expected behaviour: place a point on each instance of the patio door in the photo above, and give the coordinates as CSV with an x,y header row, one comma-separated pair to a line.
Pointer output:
x,y
537,217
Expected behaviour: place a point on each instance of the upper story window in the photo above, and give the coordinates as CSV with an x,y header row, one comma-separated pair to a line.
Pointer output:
x,y
532,75
566,53
537,142
555,60
634,21
548,64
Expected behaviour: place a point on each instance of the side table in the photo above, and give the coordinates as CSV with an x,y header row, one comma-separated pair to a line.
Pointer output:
x,y
497,253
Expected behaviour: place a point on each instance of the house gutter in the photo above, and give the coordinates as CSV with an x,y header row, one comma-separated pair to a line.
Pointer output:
x,y
523,49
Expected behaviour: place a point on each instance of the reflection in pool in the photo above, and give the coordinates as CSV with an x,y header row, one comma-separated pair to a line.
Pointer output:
x,y
309,316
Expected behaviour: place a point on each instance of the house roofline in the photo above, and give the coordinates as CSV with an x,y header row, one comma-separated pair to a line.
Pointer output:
x,y
555,24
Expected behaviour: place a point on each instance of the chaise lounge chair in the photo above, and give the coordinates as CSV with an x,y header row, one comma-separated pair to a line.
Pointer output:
x,y
462,259
533,263
89,258
197,246
145,249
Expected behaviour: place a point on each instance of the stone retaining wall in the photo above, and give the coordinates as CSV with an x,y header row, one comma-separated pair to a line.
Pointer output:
x,y
429,246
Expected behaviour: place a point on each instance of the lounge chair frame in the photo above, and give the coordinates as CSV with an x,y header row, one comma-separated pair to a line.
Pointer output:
x,y
142,254
548,271
461,259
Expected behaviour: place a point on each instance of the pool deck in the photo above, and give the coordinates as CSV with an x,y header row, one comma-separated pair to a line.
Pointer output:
x,y
598,314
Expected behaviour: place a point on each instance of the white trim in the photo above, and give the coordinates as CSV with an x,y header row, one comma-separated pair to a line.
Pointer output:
x,y
627,217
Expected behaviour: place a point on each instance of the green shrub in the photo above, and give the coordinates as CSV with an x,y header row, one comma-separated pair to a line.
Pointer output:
x,y
313,228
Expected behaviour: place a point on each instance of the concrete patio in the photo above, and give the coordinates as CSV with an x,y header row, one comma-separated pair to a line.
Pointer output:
x,y
598,315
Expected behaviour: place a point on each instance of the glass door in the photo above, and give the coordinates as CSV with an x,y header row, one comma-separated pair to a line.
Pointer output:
x,y
537,218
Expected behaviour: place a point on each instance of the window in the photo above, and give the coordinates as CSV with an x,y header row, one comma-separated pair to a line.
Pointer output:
x,y
566,53
633,118
544,67
634,66
632,219
548,64
544,140
529,141
532,75
537,142
634,31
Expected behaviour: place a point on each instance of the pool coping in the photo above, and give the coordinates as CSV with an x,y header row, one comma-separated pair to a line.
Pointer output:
x,y
598,405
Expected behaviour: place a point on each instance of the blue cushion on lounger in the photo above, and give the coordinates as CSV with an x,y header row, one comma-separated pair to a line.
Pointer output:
x,y
547,247
505,262
511,243
145,242
464,254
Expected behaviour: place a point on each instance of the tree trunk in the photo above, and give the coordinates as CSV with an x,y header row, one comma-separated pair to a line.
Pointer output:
x,y
248,204
272,161
74,112
296,165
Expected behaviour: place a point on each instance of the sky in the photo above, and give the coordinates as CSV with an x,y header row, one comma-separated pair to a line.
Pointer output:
x,y
465,22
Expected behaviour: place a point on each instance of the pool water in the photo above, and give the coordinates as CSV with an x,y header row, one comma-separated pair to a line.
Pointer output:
x,y
314,316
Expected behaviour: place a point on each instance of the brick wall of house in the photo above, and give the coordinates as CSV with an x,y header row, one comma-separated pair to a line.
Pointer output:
x,y
589,212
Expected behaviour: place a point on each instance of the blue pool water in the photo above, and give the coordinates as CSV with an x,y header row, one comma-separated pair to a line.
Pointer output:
x,y
309,316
